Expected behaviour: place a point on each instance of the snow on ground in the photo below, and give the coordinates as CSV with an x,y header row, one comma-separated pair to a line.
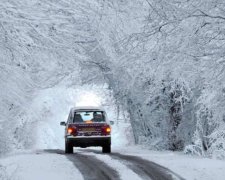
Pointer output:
x,y
35,166
124,172
189,167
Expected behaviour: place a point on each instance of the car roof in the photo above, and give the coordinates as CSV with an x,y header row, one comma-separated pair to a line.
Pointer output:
x,y
96,108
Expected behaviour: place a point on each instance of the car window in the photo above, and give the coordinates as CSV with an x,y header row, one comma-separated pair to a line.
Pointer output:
x,y
89,116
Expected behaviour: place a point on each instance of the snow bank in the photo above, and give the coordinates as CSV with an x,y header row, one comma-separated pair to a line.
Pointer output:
x,y
38,166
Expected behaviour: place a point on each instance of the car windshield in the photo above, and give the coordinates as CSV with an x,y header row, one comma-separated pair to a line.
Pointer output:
x,y
88,116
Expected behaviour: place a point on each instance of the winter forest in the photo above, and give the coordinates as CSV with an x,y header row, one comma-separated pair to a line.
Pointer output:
x,y
159,64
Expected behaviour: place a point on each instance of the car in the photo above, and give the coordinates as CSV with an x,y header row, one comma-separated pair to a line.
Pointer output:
x,y
87,126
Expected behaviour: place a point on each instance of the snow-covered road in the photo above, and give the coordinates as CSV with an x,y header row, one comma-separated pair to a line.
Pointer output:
x,y
86,164
92,168
91,164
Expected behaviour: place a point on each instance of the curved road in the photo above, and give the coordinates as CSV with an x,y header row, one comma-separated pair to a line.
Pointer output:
x,y
93,168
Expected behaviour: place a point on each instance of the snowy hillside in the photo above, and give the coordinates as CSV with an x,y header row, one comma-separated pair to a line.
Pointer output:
x,y
160,63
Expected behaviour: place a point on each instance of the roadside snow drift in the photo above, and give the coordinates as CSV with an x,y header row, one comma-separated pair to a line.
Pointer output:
x,y
36,166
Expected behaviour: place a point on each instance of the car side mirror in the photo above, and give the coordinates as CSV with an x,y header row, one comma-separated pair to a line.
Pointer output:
x,y
111,122
63,123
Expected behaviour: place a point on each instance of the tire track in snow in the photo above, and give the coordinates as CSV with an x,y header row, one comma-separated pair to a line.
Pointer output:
x,y
90,167
145,169
92,164
124,172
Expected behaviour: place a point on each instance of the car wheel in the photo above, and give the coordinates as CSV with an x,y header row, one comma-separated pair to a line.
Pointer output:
x,y
106,149
68,148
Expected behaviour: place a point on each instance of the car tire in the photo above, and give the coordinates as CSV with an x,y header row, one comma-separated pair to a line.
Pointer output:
x,y
68,148
106,149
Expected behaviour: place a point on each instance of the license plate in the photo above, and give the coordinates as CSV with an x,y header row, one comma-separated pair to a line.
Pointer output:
x,y
88,129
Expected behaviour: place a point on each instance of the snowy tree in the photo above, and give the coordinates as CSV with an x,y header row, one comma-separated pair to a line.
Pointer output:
x,y
163,61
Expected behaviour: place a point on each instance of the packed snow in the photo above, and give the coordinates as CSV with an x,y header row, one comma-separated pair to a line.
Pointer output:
x,y
27,165
189,167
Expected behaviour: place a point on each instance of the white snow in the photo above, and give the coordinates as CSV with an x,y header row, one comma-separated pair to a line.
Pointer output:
x,y
38,166
124,172
137,53
188,167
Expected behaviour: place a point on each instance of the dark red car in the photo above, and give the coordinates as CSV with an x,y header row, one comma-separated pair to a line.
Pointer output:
x,y
87,126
